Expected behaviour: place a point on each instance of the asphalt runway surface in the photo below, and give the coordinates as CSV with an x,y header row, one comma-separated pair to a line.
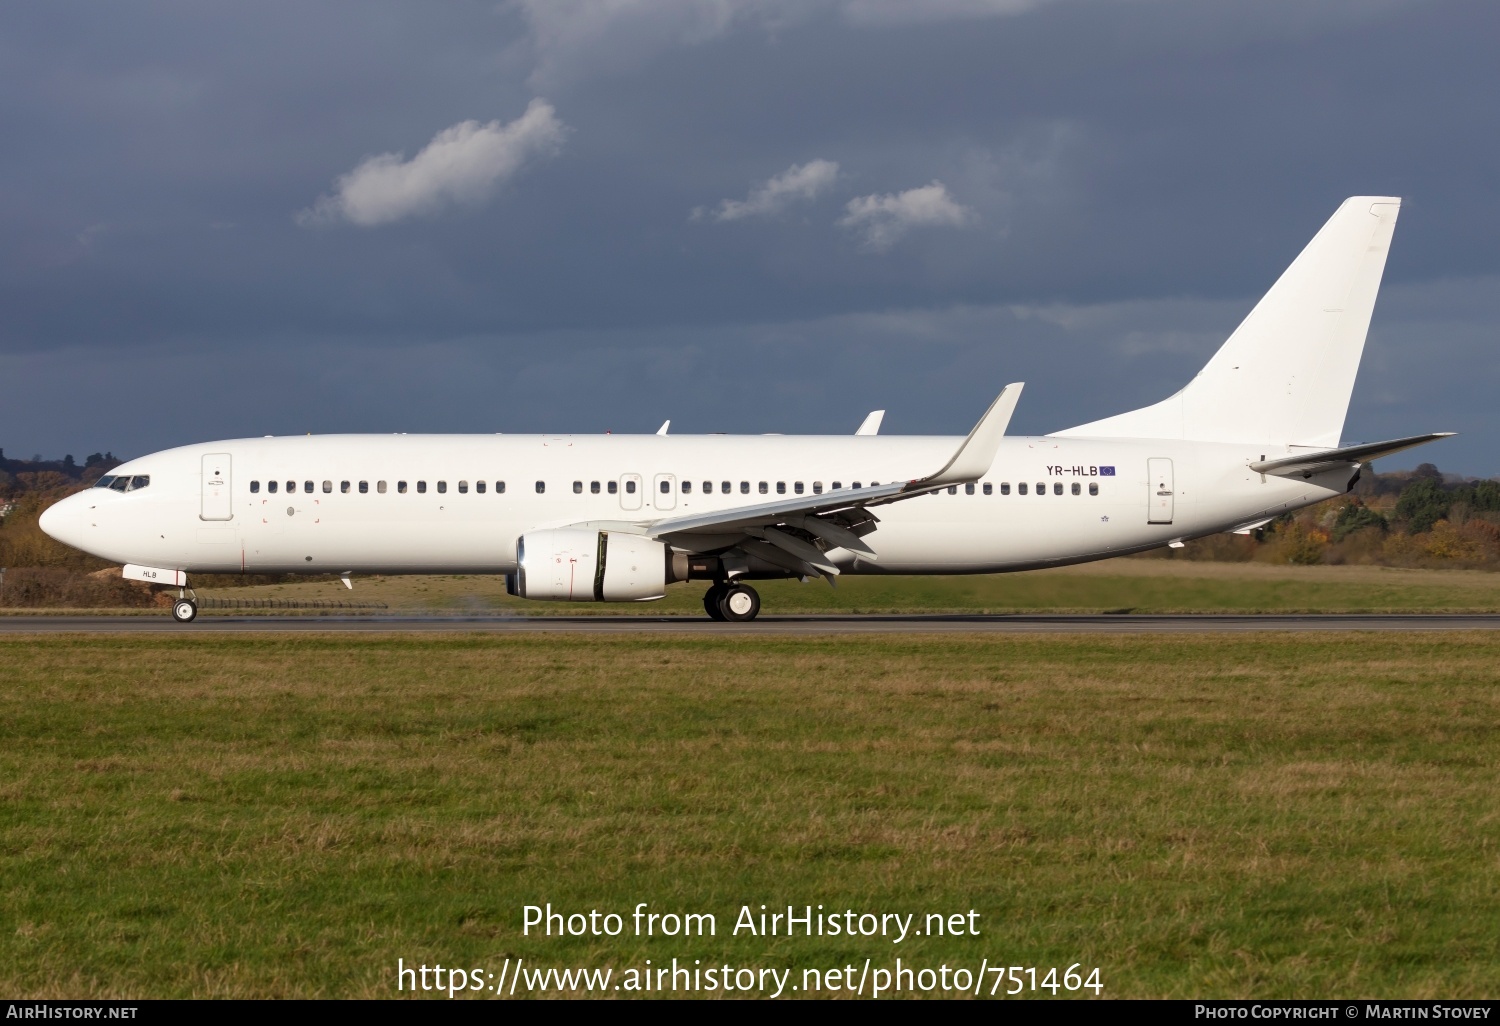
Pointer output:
x,y
781,625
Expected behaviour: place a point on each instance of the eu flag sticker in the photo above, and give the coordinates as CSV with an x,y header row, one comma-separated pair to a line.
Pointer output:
x,y
1106,471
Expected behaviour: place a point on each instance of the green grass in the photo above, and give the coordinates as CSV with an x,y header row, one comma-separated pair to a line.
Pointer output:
x,y
1250,815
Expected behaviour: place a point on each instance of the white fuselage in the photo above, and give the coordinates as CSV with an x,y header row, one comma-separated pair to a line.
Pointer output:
x,y
346,510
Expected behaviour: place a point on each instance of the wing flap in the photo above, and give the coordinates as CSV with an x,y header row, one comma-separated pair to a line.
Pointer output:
x,y
969,462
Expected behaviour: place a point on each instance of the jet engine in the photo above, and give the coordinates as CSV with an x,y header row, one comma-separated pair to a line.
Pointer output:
x,y
571,564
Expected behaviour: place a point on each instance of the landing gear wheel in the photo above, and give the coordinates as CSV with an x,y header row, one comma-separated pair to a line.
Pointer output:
x,y
711,599
184,610
739,603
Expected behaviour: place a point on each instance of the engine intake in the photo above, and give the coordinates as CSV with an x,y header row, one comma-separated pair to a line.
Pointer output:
x,y
570,564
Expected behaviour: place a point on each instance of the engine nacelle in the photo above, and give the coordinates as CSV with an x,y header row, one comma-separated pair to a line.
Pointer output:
x,y
571,564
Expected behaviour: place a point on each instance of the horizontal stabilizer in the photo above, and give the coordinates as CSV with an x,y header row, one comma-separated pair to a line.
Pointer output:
x,y
1311,463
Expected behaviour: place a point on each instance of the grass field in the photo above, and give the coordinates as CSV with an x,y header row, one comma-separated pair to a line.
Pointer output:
x,y
1138,585
1249,815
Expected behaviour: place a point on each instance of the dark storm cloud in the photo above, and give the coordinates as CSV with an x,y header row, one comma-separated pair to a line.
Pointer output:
x,y
1111,160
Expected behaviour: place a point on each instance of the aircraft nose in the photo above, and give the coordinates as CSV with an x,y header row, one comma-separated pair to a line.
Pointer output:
x,y
64,520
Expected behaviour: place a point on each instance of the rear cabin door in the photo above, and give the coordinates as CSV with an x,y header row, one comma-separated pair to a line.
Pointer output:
x,y
630,491
1159,472
217,504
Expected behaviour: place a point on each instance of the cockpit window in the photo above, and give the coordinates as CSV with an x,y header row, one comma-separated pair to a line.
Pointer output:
x,y
119,484
105,481
139,481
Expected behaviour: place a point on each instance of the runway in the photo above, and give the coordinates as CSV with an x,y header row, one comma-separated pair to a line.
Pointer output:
x,y
773,625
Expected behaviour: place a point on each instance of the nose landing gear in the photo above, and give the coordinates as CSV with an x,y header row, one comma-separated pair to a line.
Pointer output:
x,y
735,603
185,609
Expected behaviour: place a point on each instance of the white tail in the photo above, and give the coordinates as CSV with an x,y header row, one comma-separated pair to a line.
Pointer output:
x,y
1286,374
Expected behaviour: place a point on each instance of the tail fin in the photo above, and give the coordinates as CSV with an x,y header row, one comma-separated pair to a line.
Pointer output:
x,y
1286,374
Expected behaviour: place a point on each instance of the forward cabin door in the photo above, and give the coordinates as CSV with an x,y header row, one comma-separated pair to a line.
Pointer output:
x,y
1159,472
217,504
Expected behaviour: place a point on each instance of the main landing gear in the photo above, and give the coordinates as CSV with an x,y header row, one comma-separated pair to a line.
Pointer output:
x,y
731,602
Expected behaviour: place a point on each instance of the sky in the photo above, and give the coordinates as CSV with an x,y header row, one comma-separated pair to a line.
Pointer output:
x,y
228,220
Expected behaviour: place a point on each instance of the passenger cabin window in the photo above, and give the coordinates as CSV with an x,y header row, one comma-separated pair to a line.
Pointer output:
x,y
291,486
817,487
364,486
541,487
380,487
344,487
1077,488
708,487
1004,487
854,485
780,487
989,489
442,487
764,488
1041,487
836,485
953,489
797,487
499,487
479,487
254,485
1056,487
327,487
577,487
593,487
1021,488
666,486
629,487
421,487
401,487
724,487
271,487
463,488
1093,488
687,488
745,488
307,486
614,487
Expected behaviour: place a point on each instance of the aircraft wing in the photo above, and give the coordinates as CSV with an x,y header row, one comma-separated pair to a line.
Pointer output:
x,y
792,527
1308,464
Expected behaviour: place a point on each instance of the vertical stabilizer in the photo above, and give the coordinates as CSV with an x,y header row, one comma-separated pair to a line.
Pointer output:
x,y
1286,374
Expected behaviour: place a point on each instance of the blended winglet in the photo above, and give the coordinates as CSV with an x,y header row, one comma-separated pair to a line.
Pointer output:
x,y
975,456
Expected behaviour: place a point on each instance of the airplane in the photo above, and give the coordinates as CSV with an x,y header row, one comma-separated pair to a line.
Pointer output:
x,y
619,518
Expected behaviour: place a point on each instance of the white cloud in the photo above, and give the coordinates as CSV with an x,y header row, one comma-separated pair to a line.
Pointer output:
x,y
462,164
884,219
798,182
